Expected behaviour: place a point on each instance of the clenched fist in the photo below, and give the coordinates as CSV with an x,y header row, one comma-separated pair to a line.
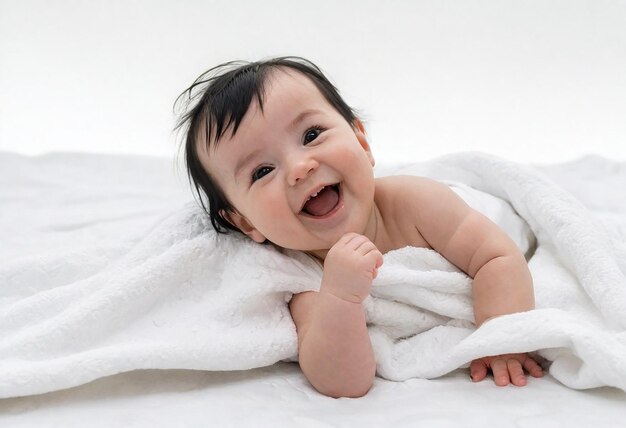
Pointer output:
x,y
350,267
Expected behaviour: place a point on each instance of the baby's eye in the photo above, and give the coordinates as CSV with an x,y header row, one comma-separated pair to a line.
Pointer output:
x,y
311,134
261,172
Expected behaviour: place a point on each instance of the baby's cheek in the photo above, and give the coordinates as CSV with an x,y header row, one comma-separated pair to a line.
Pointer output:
x,y
274,209
275,217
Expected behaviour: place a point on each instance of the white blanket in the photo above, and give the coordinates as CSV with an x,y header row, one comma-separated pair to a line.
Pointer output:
x,y
183,297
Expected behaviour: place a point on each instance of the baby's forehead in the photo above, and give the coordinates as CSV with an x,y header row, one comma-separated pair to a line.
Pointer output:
x,y
290,83
276,96
286,93
286,96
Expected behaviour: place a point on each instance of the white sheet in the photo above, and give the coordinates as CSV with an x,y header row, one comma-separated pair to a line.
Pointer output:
x,y
138,183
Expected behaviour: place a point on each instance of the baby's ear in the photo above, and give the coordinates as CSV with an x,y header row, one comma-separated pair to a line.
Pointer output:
x,y
242,223
358,125
359,130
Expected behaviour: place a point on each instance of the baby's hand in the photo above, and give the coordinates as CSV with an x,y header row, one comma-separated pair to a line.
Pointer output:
x,y
506,368
350,267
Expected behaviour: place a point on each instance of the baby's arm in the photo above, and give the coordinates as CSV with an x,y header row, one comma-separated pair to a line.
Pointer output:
x,y
335,352
502,281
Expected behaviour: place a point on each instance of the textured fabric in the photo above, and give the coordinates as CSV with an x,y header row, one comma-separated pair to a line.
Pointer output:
x,y
177,295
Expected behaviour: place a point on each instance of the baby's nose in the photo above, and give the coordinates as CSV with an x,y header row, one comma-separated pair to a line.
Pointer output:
x,y
301,168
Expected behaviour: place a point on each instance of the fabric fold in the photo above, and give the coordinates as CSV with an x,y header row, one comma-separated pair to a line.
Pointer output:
x,y
181,296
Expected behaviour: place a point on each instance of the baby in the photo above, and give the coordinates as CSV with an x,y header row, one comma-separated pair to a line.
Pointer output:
x,y
282,158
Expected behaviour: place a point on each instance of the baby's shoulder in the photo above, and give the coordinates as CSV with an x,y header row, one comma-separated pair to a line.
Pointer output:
x,y
400,199
401,187
411,196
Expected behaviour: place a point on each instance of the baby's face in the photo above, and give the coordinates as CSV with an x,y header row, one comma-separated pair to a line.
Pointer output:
x,y
298,174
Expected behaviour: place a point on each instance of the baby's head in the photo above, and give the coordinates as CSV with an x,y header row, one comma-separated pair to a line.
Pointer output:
x,y
277,153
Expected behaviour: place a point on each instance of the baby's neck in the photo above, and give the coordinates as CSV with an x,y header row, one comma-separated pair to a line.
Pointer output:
x,y
380,236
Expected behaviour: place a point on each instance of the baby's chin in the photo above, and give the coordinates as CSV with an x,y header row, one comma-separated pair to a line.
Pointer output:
x,y
318,251
318,245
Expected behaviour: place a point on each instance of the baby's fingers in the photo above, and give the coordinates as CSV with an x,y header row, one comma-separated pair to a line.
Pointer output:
x,y
533,368
500,372
375,259
352,240
478,370
516,372
364,246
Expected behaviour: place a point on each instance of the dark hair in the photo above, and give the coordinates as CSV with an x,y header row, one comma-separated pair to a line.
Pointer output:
x,y
218,100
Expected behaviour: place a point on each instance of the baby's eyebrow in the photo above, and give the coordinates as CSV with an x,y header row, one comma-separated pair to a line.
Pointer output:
x,y
301,116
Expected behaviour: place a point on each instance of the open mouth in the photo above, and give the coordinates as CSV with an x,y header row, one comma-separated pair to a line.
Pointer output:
x,y
323,202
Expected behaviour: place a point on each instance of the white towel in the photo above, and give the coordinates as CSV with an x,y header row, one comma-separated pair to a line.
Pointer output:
x,y
185,298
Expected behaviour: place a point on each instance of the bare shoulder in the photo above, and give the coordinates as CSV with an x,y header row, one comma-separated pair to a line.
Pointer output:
x,y
407,185
423,210
419,194
403,200
411,194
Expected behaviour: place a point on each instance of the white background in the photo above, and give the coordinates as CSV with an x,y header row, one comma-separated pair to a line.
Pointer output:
x,y
538,81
